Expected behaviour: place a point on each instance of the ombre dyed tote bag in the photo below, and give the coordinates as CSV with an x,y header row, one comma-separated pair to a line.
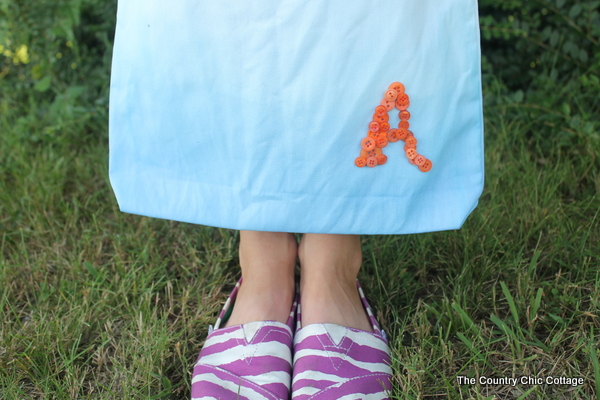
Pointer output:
x,y
360,117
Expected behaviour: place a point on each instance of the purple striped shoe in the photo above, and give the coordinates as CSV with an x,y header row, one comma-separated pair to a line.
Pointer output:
x,y
335,362
251,361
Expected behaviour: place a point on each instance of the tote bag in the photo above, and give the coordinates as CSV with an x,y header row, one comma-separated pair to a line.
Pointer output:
x,y
258,115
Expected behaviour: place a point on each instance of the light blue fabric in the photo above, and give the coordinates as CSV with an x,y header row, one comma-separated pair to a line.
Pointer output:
x,y
249,114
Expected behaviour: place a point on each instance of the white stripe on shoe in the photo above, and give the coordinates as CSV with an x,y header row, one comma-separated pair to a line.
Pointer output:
x,y
271,349
235,388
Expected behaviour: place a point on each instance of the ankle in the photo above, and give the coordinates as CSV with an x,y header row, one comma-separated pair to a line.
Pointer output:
x,y
260,301
275,288
327,289
330,259
267,250
338,303
334,280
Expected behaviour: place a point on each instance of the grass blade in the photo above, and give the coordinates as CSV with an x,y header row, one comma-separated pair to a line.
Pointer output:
x,y
509,332
535,306
465,319
533,263
595,364
511,302
527,393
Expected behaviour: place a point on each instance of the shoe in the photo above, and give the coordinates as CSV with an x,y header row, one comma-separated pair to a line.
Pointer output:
x,y
249,361
335,362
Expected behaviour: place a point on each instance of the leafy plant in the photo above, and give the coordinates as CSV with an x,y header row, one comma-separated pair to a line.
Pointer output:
x,y
62,50
542,66
520,38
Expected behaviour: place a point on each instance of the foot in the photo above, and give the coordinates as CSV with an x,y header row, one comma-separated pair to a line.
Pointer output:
x,y
333,362
328,292
252,360
267,260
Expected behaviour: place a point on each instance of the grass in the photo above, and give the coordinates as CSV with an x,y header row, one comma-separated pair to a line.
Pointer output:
x,y
104,305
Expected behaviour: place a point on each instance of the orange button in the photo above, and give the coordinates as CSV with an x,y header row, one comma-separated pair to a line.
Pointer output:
x,y
411,153
392,135
381,110
371,153
368,143
426,167
388,104
390,94
381,159
374,135
372,162
403,125
360,162
411,162
402,102
374,126
404,115
402,106
381,118
411,141
384,127
398,87
381,142
402,134
420,160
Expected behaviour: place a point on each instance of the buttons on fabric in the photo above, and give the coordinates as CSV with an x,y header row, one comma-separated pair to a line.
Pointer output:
x,y
388,104
374,135
381,118
380,134
391,135
381,142
411,141
381,110
368,143
426,167
398,87
411,153
402,102
419,160
360,162
391,95
370,153
402,133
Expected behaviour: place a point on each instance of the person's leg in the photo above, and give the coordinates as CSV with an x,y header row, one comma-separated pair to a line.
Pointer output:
x,y
329,267
267,260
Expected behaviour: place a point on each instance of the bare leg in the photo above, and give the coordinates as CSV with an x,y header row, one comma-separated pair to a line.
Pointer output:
x,y
267,260
330,265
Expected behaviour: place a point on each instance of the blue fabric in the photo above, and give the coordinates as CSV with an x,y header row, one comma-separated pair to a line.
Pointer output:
x,y
249,114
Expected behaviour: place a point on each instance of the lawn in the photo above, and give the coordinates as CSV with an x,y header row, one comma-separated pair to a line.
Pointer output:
x,y
100,304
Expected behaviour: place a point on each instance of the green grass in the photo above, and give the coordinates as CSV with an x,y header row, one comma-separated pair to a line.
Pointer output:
x,y
104,305
101,304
